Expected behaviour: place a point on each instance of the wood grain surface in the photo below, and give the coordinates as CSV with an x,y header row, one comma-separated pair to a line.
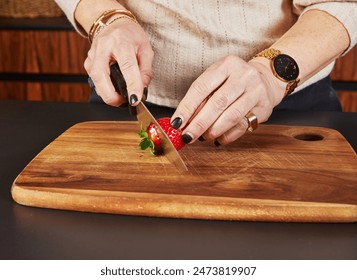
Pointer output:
x,y
64,52
43,52
346,70
277,173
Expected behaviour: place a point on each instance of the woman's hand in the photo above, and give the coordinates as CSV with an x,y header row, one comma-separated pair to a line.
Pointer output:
x,y
217,102
126,42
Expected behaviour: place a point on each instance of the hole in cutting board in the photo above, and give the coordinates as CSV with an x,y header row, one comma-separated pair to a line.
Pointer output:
x,y
309,137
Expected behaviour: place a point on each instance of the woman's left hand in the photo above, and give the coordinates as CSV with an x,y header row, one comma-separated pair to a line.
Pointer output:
x,y
217,102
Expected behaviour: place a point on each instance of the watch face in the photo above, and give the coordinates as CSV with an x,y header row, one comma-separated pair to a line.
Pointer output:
x,y
286,67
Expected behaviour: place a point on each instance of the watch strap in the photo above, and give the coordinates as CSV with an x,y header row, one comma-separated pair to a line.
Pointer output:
x,y
290,87
271,54
268,53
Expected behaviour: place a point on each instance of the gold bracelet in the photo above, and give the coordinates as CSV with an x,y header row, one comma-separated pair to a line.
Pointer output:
x,y
101,27
106,18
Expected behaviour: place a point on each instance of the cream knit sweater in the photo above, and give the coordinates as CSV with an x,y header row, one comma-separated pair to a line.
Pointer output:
x,y
188,36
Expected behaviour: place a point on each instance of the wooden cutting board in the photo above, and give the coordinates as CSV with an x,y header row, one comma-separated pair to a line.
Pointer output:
x,y
277,173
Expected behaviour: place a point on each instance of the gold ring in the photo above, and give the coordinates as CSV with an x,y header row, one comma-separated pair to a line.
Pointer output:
x,y
252,121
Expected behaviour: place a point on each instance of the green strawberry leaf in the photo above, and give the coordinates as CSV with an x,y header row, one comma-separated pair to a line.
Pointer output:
x,y
143,134
146,143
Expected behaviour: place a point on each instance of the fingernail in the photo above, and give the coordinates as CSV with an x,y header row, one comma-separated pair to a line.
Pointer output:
x,y
176,123
145,93
186,138
201,139
133,99
216,143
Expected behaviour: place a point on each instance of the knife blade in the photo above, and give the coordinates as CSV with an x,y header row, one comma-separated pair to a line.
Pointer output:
x,y
145,118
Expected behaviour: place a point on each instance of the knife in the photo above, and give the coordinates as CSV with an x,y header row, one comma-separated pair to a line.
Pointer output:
x,y
145,118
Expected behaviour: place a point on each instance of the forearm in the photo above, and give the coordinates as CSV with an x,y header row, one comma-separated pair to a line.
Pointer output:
x,y
315,41
88,11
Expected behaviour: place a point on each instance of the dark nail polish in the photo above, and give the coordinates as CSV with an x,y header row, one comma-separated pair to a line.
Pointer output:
x,y
176,123
133,99
186,138
145,93
216,143
201,139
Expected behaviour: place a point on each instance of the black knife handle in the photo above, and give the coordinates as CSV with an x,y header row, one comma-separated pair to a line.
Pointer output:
x,y
118,80
119,84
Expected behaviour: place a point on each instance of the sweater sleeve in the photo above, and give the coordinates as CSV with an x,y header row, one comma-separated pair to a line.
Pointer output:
x,y
343,11
69,7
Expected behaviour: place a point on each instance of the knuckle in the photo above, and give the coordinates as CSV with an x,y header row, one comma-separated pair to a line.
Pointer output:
x,y
242,125
133,85
230,59
88,63
263,119
94,73
90,53
201,125
224,140
211,134
147,74
187,108
110,100
219,103
233,116
265,104
200,87
265,116
260,87
127,64
251,72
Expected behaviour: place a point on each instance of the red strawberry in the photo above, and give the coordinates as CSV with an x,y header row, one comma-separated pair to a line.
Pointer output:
x,y
150,137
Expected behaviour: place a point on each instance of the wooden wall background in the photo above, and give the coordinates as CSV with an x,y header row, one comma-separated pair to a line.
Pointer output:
x,y
345,70
54,58
52,53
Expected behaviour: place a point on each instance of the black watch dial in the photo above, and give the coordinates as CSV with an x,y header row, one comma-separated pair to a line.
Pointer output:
x,y
286,67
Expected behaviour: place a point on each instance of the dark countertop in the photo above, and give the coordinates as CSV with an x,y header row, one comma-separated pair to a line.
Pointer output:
x,y
34,233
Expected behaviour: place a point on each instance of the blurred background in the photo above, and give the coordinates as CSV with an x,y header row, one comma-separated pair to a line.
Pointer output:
x,y
42,56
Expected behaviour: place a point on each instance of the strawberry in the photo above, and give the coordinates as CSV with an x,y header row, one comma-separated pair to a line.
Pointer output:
x,y
150,137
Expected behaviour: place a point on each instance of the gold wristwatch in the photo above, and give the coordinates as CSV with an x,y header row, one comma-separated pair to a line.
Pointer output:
x,y
284,67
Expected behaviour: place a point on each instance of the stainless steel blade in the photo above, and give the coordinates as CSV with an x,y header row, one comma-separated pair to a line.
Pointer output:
x,y
145,118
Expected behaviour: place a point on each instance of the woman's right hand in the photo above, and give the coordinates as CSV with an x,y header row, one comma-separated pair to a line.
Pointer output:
x,y
126,42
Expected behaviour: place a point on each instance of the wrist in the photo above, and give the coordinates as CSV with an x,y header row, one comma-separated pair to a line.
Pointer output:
x,y
88,11
283,67
276,87
106,19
